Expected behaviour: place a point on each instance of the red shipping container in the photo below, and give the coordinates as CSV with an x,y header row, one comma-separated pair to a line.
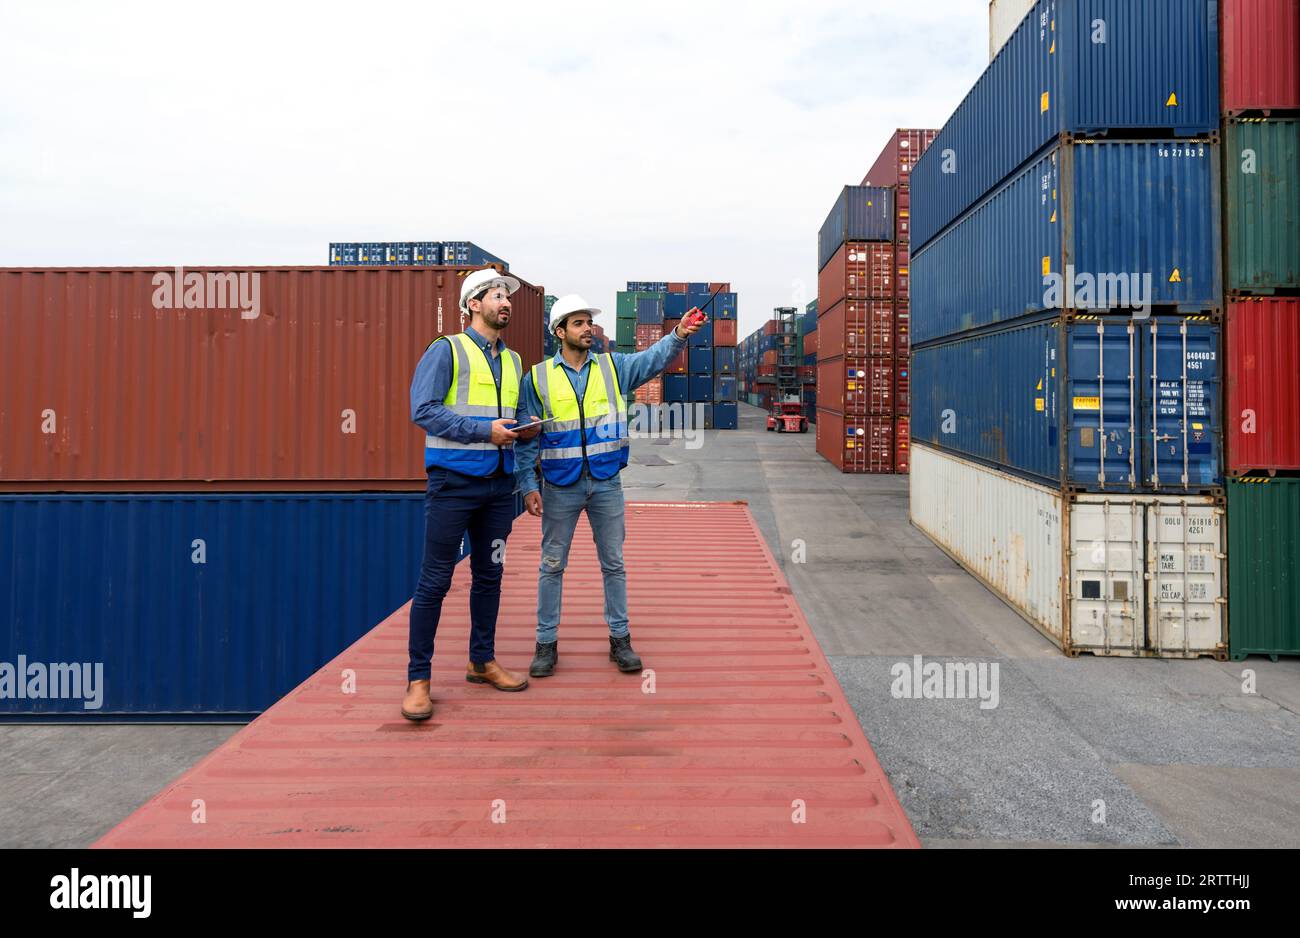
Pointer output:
x,y
674,287
670,325
860,270
724,333
902,386
719,288
902,445
893,167
769,357
1261,55
902,329
680,364
647,335
810,343
861,328
856,386
651,392
312,391
1262,347
855,444
808,373
767,370
770,327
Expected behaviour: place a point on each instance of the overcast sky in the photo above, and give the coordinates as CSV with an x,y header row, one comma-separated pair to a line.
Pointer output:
x,y
587,144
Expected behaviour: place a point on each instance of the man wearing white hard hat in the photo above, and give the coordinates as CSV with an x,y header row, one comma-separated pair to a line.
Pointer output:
x,y
465,397
583,448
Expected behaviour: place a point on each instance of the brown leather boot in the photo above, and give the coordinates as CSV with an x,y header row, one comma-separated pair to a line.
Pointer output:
x,y
492,673
416,705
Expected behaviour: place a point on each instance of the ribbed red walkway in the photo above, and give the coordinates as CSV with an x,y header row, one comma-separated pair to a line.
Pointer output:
x,y
746,720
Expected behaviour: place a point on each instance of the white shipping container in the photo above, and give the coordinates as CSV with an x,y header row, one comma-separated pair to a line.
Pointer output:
x,y
1004,17
1136,575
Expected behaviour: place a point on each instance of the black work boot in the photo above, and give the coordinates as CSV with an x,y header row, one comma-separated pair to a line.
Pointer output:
x,y
548,653
621,653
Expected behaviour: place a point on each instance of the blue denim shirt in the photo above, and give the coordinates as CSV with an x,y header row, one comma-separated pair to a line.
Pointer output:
x,y
634,370
429,389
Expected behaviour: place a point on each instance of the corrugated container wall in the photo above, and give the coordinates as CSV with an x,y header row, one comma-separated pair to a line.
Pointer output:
x,y
1262,411
1264,566
894,165
99,386
1137,576
1262,205
1261,55
1135,404
1004,17
1090,205
1158,69
198,604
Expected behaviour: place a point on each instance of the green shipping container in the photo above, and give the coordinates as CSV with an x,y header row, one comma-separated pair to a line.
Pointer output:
x,y
1264,567
1261,167
625,333
625,305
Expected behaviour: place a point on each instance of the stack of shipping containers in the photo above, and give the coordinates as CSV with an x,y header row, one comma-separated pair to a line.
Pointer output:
x,y
411,254
808,339
702,383
855,331
209,480
893,168
1065,315
1261,232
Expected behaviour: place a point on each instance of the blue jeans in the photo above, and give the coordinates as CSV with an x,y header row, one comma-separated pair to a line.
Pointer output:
x,y
453,505
561,505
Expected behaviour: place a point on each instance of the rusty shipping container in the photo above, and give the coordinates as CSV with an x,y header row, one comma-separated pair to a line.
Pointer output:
x,y
1263,384
894,165
1261,55
855,444
291,377
857,328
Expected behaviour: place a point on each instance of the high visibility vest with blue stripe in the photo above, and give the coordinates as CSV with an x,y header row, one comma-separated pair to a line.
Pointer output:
x,y
474,393
593,429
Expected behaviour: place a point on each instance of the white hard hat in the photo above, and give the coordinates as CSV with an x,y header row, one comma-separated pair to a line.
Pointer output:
x,y
481,280
566,306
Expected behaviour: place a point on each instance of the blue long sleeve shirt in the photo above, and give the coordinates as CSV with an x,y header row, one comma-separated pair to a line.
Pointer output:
x,y
429,389
634,370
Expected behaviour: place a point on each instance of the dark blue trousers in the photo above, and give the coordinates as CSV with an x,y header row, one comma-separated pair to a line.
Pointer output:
x,y
453,505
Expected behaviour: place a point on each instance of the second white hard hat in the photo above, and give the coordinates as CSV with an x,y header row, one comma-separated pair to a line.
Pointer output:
x,y
566,306
482,280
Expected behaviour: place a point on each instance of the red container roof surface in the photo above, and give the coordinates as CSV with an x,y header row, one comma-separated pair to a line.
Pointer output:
x,y
746,733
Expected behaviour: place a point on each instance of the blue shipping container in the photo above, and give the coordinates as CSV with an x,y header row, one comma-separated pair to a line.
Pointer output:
x,y
198,606
403,253
724,416
1132,218
706,412
699,360
702,388
724,360
1072,66
724,306
1137,401
372,254
649,310
676,388
344,253
703,336
675,305
860,213
426,253
724,388
468,254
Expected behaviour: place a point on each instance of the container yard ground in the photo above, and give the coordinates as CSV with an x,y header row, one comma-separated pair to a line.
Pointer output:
x,y
1177,753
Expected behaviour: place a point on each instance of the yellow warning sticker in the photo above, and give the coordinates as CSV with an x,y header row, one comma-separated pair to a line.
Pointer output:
x,y
848,444
1043,102
1197,426
1173,100
1040,385
1176,276
1053,216
852,386
1087,403
1039,405
1052,50
1047,266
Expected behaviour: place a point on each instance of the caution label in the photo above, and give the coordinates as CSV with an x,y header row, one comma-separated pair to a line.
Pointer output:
x,y
1039,404
1043,102
1087,403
